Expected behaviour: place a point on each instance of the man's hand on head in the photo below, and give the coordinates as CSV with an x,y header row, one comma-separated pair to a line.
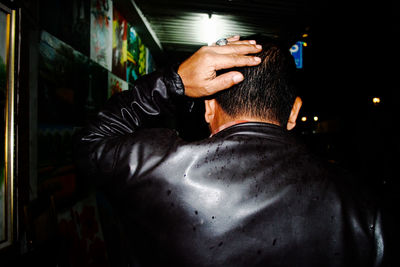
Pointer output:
x,y
198,73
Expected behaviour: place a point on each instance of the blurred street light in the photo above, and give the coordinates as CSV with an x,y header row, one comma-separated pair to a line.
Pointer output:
x,y
376,100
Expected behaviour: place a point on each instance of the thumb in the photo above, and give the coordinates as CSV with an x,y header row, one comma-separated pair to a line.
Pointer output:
x,y
226,80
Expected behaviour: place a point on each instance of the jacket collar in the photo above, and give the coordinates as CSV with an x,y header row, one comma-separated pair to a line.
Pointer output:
x,y
227,125
259,130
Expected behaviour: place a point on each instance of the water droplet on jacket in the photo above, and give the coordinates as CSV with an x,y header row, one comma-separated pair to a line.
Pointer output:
x,y
274,242
196,212
220,244
213,217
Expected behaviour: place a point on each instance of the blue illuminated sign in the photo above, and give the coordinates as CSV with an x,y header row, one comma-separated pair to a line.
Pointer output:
x,y
297,52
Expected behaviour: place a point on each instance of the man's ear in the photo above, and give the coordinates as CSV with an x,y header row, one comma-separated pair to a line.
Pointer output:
x,y
209,114
294,113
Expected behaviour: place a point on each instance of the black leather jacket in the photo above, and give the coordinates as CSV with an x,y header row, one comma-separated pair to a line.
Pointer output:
x,y
248,196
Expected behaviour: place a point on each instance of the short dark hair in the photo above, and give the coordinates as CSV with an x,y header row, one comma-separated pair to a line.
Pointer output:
x,y
268,90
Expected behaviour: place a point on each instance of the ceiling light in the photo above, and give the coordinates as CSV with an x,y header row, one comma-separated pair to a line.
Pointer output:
x,y
209,29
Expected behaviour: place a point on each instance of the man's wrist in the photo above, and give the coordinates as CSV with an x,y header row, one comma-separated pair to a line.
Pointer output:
x,y
175,80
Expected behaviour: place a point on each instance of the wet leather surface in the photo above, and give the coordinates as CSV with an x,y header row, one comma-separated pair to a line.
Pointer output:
x,y
249,196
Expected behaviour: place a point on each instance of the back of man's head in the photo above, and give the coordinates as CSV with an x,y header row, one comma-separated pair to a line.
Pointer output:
x,y
268,90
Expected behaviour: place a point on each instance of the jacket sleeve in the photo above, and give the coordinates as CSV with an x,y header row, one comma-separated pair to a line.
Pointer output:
x,y
115,145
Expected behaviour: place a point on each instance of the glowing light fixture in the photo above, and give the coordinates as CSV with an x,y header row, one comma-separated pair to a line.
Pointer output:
x,y
376,100
305,35
209,29
304,118
305,44
316,118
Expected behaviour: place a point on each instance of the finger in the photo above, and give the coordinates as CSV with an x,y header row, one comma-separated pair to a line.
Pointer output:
x,y
233,38
241,42
237,49
229,39
226,80
233,60
248,42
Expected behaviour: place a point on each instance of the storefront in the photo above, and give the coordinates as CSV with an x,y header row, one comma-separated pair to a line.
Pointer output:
x,y
59,62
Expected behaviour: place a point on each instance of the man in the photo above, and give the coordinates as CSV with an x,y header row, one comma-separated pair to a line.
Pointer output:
x,y
249,195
